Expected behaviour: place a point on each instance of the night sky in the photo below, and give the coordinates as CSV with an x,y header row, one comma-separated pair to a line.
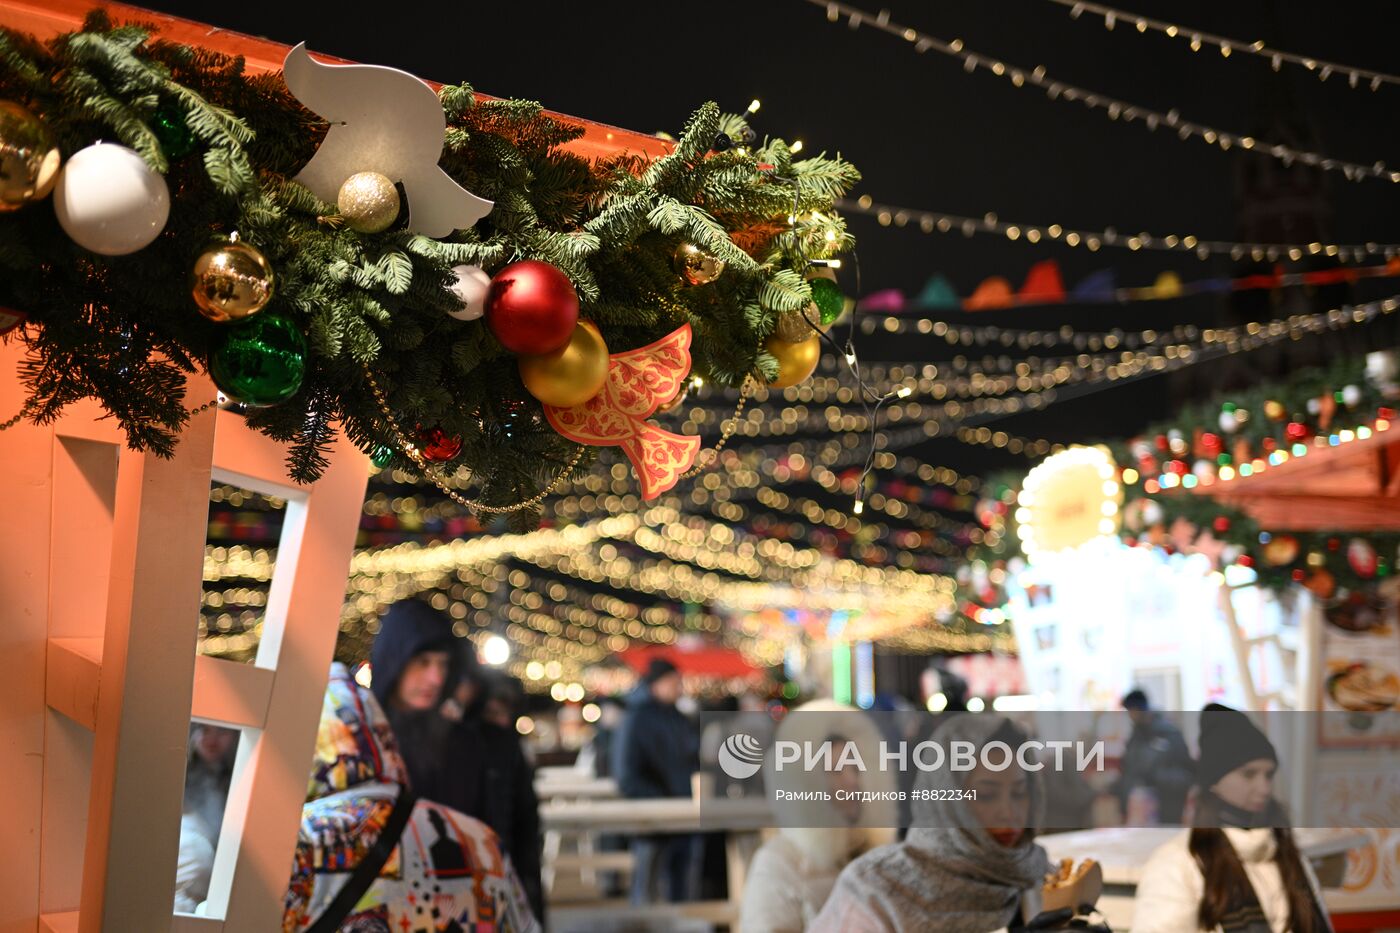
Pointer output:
x,y
927,135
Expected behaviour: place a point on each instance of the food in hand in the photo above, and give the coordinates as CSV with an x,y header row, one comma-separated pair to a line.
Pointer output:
x,y
1066,875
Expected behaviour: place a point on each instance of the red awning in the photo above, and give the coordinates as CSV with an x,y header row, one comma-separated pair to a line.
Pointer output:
x,y
709,661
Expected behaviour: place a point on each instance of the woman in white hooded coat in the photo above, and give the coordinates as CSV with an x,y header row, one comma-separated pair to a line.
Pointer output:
x,y
1238,870
794,871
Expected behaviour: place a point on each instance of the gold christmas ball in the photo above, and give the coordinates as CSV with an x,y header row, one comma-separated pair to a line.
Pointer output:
x,y
1281,551
793,327
570,375
231,281
1275,411
796,361
29,160
696,266
369,202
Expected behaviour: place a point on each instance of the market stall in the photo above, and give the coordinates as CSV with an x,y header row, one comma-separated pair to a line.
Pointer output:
x,y
103,685
1249,566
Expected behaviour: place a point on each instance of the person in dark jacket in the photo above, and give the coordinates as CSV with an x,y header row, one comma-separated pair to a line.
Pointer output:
x,y
469,765
655,754
1155,758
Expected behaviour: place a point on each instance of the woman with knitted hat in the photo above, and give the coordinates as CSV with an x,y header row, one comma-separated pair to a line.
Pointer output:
x,y
1238,870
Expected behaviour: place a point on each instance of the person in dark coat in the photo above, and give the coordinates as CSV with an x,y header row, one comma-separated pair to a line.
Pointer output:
x,y
468,764
1155,758
656,752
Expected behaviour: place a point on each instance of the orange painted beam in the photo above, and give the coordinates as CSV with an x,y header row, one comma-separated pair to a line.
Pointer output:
x,y
48,18
1330,489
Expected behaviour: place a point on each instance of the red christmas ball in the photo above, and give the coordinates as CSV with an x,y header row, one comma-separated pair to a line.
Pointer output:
x,y
1298,576
1245,561
1296,431
531,307
1222,524
437,446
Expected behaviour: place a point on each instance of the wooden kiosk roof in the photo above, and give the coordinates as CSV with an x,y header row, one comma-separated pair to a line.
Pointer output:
x,y
48,18
1353,484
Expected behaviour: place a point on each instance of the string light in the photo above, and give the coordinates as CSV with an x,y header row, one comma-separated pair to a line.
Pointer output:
x,y
1208,344
1313,323
990,223
990,333
870,400
1032,448
1111,106
1323,69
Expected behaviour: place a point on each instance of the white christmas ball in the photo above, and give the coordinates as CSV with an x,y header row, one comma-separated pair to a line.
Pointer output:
x,y
1228,422
1351,396
1314,406
470,289
110,201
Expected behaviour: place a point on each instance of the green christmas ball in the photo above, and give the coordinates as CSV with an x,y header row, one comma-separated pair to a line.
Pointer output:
x,y
827,296
173,132
382,457
259,362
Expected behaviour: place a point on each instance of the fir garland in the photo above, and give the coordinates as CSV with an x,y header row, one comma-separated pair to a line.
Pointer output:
x,y
123,330
1269,420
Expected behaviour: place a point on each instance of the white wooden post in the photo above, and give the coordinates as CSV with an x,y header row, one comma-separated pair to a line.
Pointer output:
x,y
277,703
144,679
100,580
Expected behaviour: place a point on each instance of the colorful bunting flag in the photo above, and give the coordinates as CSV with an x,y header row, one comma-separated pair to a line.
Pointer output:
x,y
1043,284
993,293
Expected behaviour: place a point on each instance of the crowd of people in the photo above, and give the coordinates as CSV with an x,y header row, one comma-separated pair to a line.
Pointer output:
x,y
422,755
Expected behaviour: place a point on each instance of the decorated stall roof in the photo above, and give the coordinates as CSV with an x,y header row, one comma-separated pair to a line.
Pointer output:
x,y
48,18
1348,480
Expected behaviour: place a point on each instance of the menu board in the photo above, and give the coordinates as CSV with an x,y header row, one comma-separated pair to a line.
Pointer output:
x,y
1361,673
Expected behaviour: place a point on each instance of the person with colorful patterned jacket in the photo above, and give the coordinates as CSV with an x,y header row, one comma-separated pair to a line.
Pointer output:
x,y
446,873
